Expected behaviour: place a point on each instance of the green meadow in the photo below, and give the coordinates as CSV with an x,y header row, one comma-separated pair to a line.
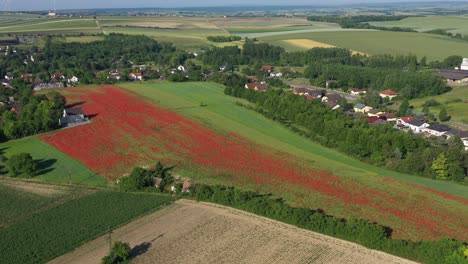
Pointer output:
x,y
434,47
454,24
54,166
50,25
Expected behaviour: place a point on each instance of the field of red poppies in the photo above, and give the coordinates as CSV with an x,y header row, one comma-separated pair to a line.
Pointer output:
x,y
129,130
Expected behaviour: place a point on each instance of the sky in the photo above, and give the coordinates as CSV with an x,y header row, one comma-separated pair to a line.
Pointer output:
x,y
30,5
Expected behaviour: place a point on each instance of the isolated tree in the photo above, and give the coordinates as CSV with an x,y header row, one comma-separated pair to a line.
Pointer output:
x,y
440,167
443,116
21,165
120,253
403,107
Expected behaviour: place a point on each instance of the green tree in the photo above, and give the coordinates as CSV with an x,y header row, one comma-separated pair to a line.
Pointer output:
x,y
440,167
403,107
443,116
120,253
22,165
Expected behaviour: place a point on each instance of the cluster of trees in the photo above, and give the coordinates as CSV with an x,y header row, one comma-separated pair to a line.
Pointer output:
x,y
368,234
31,114
404,74
142,178
380,145
223,38
120,253
115,51
361,21
21,165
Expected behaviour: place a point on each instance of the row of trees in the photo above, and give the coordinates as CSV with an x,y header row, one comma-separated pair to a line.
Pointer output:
x,y
368,234
223,38
380,145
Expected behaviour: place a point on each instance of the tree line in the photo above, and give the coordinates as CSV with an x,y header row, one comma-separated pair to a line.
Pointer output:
x,y
223,38
379,145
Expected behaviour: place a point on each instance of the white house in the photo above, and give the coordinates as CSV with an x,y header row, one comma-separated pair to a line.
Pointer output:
x,y
388,94
417,126
73,79
276,74
437,130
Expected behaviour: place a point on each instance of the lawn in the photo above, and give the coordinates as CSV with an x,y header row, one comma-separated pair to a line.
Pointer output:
x,y
402,191
455,101
54,165
48,227
454,24
381,42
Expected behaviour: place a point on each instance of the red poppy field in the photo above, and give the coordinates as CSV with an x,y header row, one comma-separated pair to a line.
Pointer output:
x,y
128,130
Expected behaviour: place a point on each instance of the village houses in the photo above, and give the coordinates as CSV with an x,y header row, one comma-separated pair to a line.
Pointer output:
x,y
388,94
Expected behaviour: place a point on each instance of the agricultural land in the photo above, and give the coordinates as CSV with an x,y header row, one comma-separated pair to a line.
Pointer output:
x,y
201,232
295,168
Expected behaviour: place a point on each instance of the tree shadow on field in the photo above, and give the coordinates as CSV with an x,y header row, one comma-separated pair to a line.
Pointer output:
x,y
140,249
74,104
44,166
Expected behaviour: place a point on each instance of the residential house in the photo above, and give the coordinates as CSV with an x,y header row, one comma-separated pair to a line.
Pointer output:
x,y
388,117
331,98
300,90
257,86
388,94
374,112
276,74
158,181
417,126
379,122
136,76
73,79
356,91
437,130
267,68
58,76
464,65
27,77
114,75
6,83
9,76
361,108
370,119
314,94
333,105
72,116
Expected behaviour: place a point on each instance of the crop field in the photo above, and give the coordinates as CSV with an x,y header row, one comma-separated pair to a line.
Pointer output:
x,y
51,25
54,166
382,42
131,130
455,101
454,24
62,218
22,200
306,44
190,232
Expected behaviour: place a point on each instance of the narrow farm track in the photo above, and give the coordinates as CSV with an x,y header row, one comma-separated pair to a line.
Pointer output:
x,y
130,130
191,232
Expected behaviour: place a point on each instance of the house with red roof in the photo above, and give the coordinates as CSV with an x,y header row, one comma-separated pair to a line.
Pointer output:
x,y
136,76
388,94
267,68
257,86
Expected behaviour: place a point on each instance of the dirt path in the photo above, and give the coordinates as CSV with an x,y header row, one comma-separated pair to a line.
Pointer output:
x,y
191,232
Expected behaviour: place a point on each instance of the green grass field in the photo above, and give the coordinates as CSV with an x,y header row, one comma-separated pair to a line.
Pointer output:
x,y
455,101
55,166
50,25
454,24
434,47
43,227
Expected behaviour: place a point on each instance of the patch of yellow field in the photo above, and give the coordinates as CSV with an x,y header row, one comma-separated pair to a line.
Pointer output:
x,y
309,44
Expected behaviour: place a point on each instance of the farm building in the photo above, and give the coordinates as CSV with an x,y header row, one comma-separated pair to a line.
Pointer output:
x,y
72,116
454,77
